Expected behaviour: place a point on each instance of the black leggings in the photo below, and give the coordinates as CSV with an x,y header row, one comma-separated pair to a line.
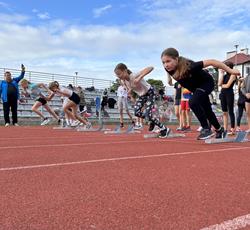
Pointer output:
x,y
11,103
241,108
149,100
201,106
227,105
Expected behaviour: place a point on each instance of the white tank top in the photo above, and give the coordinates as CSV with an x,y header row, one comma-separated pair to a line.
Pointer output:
x,y
141,88
64,92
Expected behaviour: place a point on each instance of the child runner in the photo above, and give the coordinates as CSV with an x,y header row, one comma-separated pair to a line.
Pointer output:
x,y
177,105
191,75
34,91
185,109
72,103
146,94
122,95
241,104
246,91
227,82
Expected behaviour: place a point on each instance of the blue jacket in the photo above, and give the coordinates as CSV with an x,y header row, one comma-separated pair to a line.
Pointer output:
x,y
4,87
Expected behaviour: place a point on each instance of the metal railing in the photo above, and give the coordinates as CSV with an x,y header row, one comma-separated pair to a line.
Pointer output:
x,y
41,77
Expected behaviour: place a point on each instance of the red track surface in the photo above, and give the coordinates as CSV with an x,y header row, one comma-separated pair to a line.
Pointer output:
x,y
76,180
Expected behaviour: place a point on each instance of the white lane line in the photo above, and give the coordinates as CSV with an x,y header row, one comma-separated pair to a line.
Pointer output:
x,y
234,224
117,159
88,143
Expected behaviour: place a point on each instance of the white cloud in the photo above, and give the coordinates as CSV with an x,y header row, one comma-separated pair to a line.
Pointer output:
x,y
100,11
34,11
43,16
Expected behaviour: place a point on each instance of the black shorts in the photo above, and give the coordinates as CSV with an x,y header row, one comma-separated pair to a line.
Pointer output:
x,y
42,100
227,100
177,102
247,100
75,98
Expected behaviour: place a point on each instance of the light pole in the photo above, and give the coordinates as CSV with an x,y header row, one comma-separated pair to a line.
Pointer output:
x,y
76,73
236,52
235,63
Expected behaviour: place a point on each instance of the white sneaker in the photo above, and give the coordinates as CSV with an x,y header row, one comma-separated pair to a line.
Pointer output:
x,y
16,124
45,121
156,130
7,124
136,127
75,123
199,129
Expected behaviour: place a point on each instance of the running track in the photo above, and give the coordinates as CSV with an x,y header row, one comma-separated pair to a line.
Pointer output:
x,y
54,179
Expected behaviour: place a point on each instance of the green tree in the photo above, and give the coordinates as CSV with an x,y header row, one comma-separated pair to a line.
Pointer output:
x,y
115,85
157,84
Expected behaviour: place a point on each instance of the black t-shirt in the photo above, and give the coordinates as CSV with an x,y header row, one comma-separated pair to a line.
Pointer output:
x,y
196,77
12,91
226,78
177,90
111,103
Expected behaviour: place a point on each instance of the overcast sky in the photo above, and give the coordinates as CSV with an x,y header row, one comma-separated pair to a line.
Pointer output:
x,y
91,37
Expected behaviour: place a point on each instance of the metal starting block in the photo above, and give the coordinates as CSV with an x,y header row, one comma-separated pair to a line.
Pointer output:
x,y
240,137
117,130
170,135
83,129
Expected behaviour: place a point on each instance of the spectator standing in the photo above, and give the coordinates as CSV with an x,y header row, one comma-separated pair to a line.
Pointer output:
x,y
9,93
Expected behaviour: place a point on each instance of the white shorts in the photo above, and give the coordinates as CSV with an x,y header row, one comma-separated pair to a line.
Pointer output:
x,y
122,103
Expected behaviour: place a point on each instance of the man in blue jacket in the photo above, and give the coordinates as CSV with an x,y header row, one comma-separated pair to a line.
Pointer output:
x,y
9,93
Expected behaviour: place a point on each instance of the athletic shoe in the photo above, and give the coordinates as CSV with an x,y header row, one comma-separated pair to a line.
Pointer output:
x,y
87,115
156,129
187,128
238,129
75,123
164,133
60,121
88,125
221,133
151,126
16,124
136,127
205,134
121,125
179,129
199,129
45,121
231,132
7,124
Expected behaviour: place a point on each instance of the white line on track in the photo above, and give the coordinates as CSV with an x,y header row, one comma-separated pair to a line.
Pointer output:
x,y
117,159
88,143
234,224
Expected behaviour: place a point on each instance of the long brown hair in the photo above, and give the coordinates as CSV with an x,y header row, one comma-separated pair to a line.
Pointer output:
x,y
182,65
122,67
53,84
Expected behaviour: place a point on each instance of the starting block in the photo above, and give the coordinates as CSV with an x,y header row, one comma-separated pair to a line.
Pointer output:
x,y
170,135
240,137
117,130
83,129
64,128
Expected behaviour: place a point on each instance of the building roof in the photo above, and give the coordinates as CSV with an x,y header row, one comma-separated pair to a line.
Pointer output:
x,y
240,59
